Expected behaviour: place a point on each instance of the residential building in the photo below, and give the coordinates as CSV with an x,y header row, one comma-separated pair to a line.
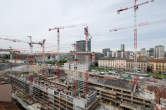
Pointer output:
x,y
81,48
119,54
115,63
109,54
159,51
157,65
141,65
143,52
124,64
150,52
96,57
106,51
113,54
129,54
122,47
123,51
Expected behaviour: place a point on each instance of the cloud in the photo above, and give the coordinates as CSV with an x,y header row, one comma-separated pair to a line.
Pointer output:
x,y
20,18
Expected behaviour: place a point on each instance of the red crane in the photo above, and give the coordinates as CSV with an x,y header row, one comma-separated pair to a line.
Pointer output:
x,y
86,32
41,43
75,81
58,32
135,7
58,42
86,73
12,51
30,57
86,37
138,25
31,43
13,40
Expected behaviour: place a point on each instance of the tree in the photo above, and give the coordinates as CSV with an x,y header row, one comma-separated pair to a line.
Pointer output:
x,y
149,69
6,57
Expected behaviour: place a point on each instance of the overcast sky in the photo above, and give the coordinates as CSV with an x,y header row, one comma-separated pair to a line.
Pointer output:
x,y
21,18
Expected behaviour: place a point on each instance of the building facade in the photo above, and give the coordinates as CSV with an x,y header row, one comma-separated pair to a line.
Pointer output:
x,y
122,47
81,46
142,65
157,65
150,52
143,52
139,66
123,64
106,51
159,51
114,63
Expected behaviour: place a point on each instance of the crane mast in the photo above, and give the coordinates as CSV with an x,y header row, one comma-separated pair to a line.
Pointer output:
x,y
58,43
135,7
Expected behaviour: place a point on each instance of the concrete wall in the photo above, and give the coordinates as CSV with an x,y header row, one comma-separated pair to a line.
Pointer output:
x,y
5,92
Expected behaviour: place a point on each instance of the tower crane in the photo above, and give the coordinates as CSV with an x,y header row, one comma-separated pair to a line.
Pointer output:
x,y
12,51
58,32
58,42
86,32
88,54
135,7
86,73
138,25
31,43
13,40
75,81
41,43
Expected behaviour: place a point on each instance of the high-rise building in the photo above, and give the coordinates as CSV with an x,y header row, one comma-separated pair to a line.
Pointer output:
x,y
159,51
122,51
150,52
109,54
106,51
119,54
81,46
122,47
113,54
143,52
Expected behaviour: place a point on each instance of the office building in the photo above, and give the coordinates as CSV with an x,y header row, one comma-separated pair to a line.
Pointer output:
x,y
150,52
106,51
159,51
122,47
143,52
81,46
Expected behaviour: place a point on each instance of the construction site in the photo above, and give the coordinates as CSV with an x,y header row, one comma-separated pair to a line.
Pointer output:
x,y
46,90
37,85
74,87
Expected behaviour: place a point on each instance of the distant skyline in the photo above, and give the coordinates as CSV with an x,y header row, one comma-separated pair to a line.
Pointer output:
x,y
21,18
128,49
